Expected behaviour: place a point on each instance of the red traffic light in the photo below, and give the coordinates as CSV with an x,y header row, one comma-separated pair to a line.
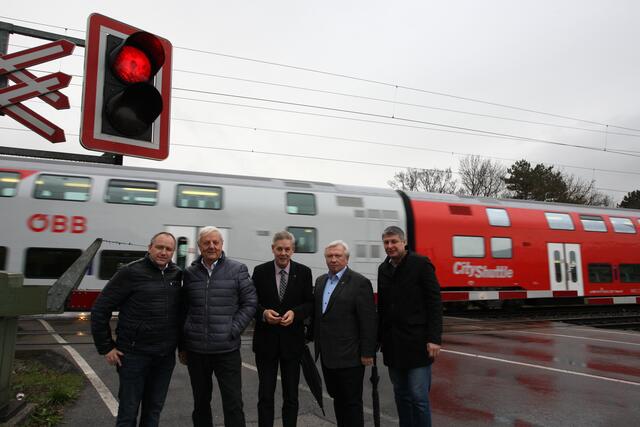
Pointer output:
x,y
138,58
126,97
131,65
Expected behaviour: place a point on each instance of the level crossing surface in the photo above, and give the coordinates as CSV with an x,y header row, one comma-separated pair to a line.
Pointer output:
x,y
542,374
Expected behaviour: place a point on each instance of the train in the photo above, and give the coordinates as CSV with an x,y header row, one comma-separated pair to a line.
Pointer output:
x,y
484,249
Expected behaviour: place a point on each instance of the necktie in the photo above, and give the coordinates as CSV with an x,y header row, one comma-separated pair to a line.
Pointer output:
x,y
283,284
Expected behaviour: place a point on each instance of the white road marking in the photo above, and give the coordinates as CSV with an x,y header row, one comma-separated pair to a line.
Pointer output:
x,y
546,368
607,331
366,409
101,388
572,336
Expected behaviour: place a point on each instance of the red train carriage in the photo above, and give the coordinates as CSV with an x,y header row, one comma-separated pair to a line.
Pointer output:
x,y
489,249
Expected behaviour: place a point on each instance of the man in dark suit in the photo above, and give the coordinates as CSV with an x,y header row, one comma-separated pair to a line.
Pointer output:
x,y
410,330
285,300
344,332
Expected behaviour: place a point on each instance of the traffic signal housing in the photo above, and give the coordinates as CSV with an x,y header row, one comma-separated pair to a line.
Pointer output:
x,y
126,94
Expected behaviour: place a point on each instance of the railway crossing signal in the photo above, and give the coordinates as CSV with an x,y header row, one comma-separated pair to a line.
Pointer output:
x,y
127,90
27,86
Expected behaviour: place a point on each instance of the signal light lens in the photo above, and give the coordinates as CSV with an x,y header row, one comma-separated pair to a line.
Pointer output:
x,y
132,65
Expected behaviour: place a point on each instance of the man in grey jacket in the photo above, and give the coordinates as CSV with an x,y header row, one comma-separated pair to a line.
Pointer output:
x,y
220,301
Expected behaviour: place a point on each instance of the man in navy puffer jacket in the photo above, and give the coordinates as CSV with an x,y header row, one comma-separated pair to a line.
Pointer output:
x,y
220,301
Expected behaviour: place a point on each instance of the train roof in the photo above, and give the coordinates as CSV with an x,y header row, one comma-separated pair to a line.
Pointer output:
x,y
523,204
133,172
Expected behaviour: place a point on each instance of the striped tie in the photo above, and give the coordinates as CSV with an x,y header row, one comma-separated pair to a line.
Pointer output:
x,y
283,284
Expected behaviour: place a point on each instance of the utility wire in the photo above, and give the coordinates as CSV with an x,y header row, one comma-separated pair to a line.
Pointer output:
x,y
376,82
448,128
409,104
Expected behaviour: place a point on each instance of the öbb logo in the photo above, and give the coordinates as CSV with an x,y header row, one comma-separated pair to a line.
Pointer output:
x,y
57,223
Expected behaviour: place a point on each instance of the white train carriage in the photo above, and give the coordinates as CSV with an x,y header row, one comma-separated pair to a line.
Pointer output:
x,y
52,210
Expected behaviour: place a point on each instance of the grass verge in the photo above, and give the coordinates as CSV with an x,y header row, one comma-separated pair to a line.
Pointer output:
x,y
49,387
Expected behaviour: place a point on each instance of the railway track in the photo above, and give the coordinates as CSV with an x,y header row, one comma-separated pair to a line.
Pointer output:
x,y
617,317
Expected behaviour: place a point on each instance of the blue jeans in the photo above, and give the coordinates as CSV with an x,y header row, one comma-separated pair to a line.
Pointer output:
x,y
144,381
411,388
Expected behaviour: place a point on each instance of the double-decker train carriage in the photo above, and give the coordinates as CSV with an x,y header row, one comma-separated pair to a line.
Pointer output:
x,y
483,249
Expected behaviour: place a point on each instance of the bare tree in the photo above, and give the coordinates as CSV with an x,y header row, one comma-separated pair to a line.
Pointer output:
x,y
431,180
582,192
481,177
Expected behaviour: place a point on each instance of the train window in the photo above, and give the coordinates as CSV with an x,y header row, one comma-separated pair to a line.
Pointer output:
x,y
559,221
573,267
593,223
600,273
468,247
498,217
9,183
111,261
301,204
49,263
630,273
199,197
59,187
3,257
132,192
501,247
557,266
622,225
306,239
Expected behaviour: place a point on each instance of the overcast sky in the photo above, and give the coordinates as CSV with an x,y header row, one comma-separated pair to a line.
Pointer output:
x,y
423,76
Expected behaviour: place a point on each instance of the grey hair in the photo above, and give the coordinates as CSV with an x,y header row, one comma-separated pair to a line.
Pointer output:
x,y
393,230
283,235
208,230
339,243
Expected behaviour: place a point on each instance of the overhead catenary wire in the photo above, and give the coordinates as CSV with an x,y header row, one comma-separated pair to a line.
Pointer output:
x,y
447,127
362,79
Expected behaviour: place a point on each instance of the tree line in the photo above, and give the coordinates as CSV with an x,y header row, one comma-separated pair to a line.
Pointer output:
x,y
521,180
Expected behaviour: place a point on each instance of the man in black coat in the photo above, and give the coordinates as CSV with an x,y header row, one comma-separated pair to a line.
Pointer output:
x,y
285,300
147,294
344,332
410,325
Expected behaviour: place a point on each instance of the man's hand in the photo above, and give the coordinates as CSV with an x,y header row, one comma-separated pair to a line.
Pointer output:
x,y
433,350
182,357
113,357
272,317
287,319
366,361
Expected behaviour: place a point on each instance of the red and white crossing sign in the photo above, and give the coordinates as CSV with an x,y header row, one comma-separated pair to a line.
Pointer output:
x,y
27,86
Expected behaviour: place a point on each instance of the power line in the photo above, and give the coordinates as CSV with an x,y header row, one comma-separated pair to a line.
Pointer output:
x,y
410,147
397,86
409,104
449,128
366,80
328,159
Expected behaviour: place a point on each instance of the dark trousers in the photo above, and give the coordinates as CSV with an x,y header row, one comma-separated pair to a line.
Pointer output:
x,y
227,367
268,375
144,381
345,387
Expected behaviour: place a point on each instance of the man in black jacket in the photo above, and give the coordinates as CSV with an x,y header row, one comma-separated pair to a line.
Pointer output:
x,y
344,332
285,300
410,325
147,294
220,301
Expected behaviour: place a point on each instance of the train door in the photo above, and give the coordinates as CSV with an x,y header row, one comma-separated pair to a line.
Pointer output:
x,y
565,267
187,243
